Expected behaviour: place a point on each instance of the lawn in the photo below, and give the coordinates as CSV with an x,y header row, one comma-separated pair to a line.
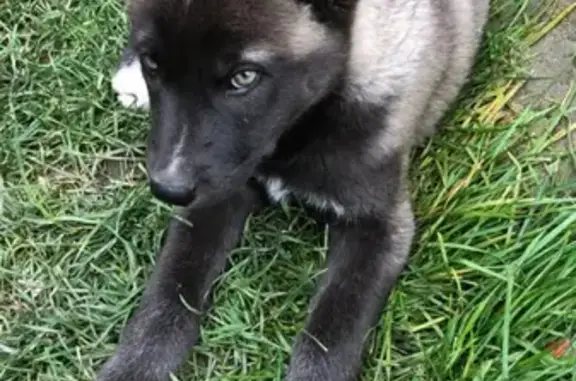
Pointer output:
x,y
492,277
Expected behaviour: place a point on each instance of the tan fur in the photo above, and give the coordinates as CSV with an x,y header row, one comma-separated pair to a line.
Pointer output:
x,y
307,36
302,35
416,52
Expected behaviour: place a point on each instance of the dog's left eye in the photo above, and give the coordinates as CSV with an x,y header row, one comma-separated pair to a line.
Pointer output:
x,y
244,79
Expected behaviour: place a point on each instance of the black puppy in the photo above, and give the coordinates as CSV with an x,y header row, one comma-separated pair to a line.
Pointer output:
x,y
317,100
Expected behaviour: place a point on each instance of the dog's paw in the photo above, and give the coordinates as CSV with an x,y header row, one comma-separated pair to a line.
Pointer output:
x,y
130,86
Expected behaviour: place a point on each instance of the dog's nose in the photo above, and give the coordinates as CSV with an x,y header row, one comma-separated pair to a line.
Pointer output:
x,y
172,192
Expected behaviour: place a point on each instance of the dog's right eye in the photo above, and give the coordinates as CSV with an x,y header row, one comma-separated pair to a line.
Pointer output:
x,y
148,63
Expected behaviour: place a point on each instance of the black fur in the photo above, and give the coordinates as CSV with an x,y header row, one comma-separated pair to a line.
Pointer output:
x,y
297,125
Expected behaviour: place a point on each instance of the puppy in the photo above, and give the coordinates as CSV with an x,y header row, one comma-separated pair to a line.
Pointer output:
x,y
319,101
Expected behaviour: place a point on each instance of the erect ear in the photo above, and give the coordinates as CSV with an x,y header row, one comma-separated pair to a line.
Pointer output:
x,y
344,5
334,5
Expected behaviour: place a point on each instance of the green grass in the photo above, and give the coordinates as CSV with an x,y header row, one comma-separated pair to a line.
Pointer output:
x,y
492,277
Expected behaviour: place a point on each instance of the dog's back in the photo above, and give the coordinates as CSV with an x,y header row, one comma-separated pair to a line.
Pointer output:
x,y
413,55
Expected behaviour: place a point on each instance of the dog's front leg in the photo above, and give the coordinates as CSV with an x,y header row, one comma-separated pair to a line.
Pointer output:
x,y
364,261
159,335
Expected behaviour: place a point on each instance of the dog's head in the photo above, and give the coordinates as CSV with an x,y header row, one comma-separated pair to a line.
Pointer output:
x,y
226,78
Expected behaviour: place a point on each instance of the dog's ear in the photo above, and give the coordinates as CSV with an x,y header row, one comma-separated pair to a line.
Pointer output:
x,y
334,5
332,11
343,5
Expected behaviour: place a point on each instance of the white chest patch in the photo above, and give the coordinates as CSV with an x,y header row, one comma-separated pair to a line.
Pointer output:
x,y
278,191
130,86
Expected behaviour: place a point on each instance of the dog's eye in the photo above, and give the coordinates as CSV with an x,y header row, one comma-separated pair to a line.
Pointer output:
x,y
244,79
149,63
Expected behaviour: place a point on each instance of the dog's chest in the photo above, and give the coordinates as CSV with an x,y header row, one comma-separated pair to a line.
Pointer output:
x,y
279,190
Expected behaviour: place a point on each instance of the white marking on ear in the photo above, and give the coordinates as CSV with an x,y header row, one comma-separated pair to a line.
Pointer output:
x,y
130,86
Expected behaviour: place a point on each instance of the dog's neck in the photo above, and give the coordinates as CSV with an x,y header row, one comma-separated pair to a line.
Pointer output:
x,y
326,126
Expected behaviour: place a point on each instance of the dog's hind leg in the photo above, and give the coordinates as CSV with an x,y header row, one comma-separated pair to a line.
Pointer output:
x,y
159,335
365,259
